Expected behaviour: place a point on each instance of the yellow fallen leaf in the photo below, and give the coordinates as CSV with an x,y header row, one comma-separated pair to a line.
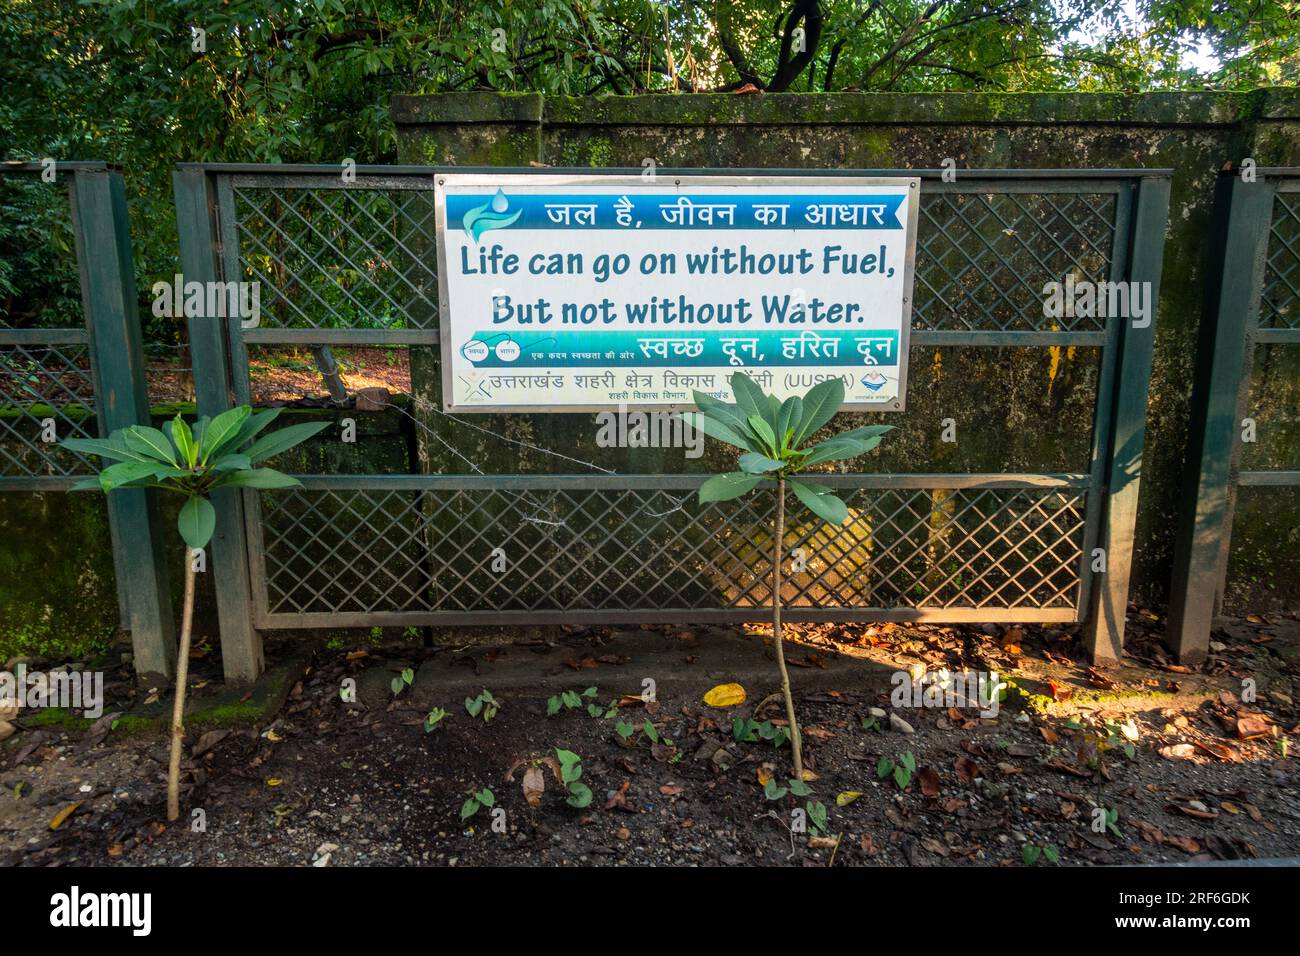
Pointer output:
x,y
272,736
847,797
63,815
725,695
764,775
273,781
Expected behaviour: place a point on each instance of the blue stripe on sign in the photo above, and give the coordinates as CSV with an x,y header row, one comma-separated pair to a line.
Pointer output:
x,y
861,211
654,348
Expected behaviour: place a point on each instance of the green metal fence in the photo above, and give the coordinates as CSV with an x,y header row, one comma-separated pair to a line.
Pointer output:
x,y
78,371
1253,299
350,262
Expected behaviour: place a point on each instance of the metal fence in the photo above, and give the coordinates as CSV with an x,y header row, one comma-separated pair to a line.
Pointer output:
x,y
352,263
77,370
1253,300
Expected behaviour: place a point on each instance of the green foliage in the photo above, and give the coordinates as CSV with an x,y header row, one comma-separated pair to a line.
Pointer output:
x,y
403,681
572,700
747,730
39,285
1112,822
571,778
484,704
218,453
1030,853
434,718
901,770
477,800
312,82
1115,740
818,818
774,791
627,733
772,437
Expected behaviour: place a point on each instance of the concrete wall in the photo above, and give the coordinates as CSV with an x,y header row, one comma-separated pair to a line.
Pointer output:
x,y
1016,409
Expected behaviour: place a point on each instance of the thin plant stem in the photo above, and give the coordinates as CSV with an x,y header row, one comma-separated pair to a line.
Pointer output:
x,y
796,741
178,705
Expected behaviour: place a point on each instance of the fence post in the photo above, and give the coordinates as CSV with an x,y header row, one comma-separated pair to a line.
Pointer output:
x,y
112,319
241,644
1243,213
1104,631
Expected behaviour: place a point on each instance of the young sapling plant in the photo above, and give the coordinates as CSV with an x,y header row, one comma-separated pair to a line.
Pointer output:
x,y
772,435
217,453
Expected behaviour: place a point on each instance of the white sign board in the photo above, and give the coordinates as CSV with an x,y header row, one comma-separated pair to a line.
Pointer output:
x,y
568,293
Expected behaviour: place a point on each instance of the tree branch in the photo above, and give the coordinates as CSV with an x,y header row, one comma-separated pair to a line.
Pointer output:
x,y
788,67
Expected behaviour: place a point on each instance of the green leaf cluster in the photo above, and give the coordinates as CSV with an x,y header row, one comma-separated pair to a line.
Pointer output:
x,y
901,770
216,453
477,800
571,700
773,435
484,704
571,777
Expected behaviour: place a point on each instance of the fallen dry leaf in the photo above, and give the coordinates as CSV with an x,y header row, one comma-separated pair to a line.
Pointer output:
x,y
534,786
967,770
928,777
1069,768
1222,751
725,695
62,815
556,770
1059,691
619,799
934,846
1252,726
1197,812
847,797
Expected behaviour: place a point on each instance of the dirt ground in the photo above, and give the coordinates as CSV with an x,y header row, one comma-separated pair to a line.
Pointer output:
x,y
286,374
1146,763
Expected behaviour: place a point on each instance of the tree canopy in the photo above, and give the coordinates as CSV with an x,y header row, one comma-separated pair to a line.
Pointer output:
x,y
149,84
302,81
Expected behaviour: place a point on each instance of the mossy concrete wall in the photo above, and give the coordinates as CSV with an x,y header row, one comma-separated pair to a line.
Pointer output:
x,y
58,596
1017,409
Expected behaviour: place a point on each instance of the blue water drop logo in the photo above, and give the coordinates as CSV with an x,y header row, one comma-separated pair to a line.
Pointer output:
x,y
494,214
